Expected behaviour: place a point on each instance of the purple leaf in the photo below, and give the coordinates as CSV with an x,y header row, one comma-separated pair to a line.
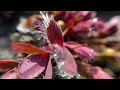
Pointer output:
x,y
54,33
76,15
84,28
49,71
98,73
88,26
84,52
110,27
84,15
93,72
70,64
37,22
32,66
63,55
12,74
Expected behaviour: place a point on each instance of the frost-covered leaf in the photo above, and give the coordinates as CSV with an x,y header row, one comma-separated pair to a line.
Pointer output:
x,y
54,33
6,65
49,71
85,28
12,74
70,64
65,59
85,53
32,66
26,48
93,24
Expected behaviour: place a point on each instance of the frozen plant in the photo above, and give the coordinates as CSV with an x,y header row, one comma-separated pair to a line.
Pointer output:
x,y
41,60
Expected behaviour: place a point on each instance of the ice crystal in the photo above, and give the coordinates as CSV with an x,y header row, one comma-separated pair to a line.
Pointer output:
x,y
46,19
62,73
60,61
45,24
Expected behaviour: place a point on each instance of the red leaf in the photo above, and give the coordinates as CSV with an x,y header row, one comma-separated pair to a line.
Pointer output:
x,y
32,66
84,52
26,48
49,71
63,55
6,65
12,74
54,33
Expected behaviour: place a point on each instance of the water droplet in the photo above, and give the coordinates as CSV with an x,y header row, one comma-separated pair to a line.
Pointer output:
x,y
95,19
55,55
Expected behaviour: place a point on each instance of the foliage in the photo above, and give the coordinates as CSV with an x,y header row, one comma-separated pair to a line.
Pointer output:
x,y
64,42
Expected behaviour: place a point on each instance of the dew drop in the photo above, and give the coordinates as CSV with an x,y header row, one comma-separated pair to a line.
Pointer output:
x,y
55,55
95,19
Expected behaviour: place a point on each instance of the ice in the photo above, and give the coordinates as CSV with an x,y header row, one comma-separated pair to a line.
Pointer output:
x,y
60,64
64,74
46,18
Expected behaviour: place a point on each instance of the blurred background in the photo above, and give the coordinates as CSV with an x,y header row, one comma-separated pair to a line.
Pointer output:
x,y
107,14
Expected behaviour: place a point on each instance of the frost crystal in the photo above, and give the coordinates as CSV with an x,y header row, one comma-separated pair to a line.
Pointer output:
x,y
60,65
46,19
61,71
44,26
